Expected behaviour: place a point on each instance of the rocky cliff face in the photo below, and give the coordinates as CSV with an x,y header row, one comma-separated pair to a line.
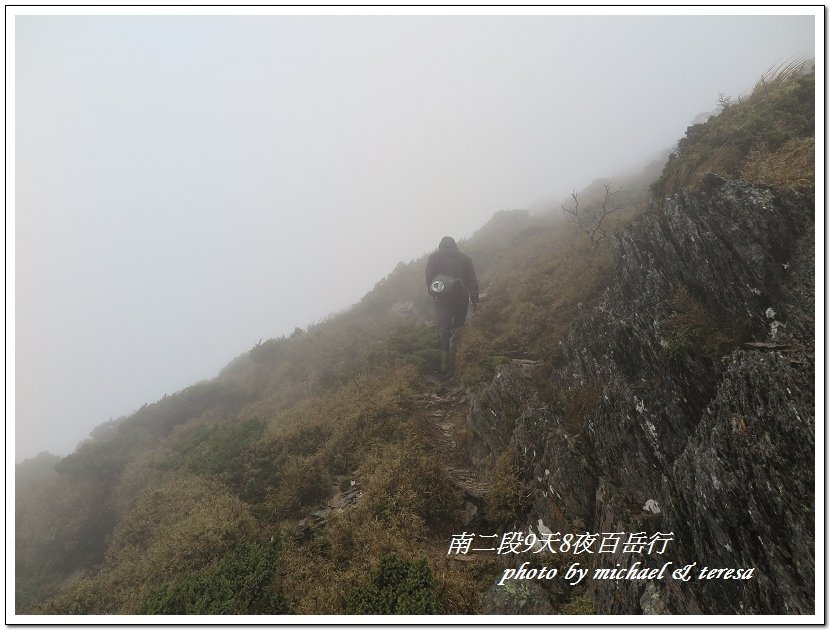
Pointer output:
x,y
684,403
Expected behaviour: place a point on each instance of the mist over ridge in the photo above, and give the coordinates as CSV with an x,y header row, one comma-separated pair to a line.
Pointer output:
x,y
201,197
641,365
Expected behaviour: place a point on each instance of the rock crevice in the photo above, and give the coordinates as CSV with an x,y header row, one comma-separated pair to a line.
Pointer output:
x,y
694,412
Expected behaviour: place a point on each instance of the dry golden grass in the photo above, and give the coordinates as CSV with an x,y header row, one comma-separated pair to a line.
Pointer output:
x,y
535,293
186,523
766,136
690,327
774,79
508,496
792,164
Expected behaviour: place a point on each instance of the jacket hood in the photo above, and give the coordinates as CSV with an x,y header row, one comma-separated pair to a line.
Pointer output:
x,y
448,242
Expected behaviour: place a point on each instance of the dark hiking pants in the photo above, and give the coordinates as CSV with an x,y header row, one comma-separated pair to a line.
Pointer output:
x,y
449,315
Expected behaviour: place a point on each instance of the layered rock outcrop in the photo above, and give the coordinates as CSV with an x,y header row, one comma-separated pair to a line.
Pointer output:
x,y
685,404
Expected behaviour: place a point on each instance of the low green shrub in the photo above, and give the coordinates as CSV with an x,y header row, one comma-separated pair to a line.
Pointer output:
x,y
396,587
242,583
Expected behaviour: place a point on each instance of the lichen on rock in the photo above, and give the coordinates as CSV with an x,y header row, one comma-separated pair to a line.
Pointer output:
x,y
676,411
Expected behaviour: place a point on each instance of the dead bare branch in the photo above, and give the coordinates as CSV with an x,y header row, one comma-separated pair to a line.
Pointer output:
x,y
591,223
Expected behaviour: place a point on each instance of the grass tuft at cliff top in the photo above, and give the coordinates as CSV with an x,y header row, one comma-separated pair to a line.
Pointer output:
x,y
766,137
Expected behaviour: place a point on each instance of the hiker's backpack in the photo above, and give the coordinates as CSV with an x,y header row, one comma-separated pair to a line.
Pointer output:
x,y
443,286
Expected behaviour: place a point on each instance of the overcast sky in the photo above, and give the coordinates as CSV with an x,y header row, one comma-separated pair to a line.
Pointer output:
x,y
188,185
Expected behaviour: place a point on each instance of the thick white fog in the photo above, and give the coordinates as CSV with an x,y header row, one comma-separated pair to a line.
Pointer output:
x,y
185,186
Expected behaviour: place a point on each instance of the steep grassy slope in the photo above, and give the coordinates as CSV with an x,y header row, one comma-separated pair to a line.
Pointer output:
x,y
192,503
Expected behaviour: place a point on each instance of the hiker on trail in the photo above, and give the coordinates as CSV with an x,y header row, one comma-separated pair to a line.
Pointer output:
x,y
452,283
